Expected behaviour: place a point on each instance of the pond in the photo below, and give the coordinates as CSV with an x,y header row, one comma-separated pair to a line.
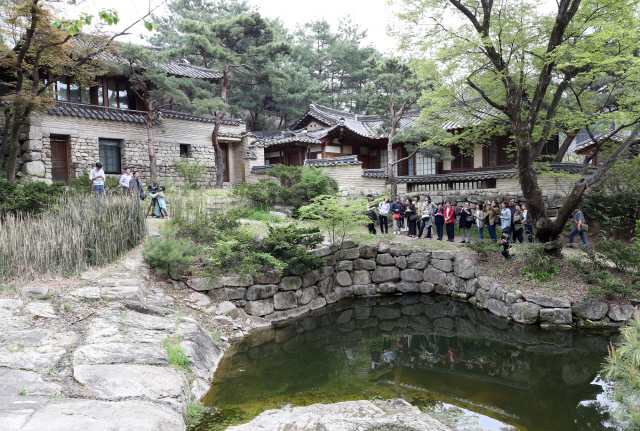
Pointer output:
x,y
466,366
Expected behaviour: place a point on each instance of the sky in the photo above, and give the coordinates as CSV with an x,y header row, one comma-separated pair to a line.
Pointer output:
x,y
372,15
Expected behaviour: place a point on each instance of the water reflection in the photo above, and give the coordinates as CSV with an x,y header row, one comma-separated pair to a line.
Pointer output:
x,y
434,352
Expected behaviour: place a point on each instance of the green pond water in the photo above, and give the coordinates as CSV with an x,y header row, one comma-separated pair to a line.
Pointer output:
x,y
469,368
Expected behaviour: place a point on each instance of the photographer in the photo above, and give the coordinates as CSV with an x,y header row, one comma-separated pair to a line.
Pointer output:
x,y
157,200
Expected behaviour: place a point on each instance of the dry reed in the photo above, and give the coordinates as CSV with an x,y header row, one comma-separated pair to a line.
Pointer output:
x,y
76,233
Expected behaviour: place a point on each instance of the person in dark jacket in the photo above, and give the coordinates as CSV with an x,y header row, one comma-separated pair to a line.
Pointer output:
x,y
465,224
518,225
528,227
409,214
438,220
372,215
135,186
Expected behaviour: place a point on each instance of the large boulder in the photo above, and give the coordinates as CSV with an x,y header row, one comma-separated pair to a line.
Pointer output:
x,y
556,316
260,291
442,265
385,273
306,295
386,288
36,292
442,254
498,308
620,313
548,302
361,277
35,168
345,265
291,283
321,252
590,310
350,254
435,276
310,278
368,251
285,300
456,284
525,312
464,268
237,281
412,275
259,308
343,278
364,264
401,262
408,287
202,284
270,276
385,259
364,289
426,287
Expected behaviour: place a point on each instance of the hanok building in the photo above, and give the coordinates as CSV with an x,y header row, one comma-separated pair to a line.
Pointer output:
x,y
106,123
353,149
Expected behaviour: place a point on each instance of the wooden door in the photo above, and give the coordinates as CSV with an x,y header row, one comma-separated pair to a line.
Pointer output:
x,y
293,157
225,150
59,158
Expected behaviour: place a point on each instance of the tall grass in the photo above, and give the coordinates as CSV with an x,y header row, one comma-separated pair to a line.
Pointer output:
x,y
76,233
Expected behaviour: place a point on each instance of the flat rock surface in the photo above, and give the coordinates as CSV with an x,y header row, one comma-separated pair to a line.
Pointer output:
x,y
114,353
41,309
93,415
397,415
115,381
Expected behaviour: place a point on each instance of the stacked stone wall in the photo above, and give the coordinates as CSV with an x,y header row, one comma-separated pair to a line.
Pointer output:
x,y
354,271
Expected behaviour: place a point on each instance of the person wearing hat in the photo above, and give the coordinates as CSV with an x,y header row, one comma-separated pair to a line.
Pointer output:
x,y
97,176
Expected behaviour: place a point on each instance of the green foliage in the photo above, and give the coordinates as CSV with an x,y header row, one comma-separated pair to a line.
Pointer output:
x,y
176,357
191,171
622,367
74,26
338,216
28,197
483,247
291,186
615,213
84,185
603,283
289,243
623,255
538,265
75,233
258,213
195,414
170,255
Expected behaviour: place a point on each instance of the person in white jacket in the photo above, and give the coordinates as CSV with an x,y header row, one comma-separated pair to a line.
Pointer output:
x,y
383,209
124,180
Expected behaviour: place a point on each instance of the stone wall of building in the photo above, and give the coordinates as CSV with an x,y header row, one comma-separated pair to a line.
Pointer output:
x,y
372,270
83,145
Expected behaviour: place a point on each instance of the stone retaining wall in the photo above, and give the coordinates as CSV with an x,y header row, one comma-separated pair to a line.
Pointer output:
x,y
371,270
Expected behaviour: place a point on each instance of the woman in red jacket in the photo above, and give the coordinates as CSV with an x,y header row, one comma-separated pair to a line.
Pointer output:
x,y
449,220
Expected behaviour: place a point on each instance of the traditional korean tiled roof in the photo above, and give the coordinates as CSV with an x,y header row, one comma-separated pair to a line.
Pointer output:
x,y
374,173
333,161
267,138
262,169
189,117
116,114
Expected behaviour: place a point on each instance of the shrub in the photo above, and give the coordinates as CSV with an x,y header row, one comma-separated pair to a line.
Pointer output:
x,y
288,185
190,170
537,263
623,255
75,233
289,243
483,247
339,217
28,197
170,255
622,367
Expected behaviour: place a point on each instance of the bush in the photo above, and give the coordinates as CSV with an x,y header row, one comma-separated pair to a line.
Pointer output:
x,y
84,185
77,232
288,185
483,247
623,255
190,170
170,255
28,197
621,367
538,265
340,218
289,243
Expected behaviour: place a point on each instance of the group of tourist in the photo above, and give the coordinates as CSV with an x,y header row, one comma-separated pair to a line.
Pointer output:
x,y
131,185
417,219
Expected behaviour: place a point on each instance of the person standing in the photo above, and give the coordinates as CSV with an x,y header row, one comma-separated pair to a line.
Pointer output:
x,y
383,209
505,221
450,220
578,223
135,186
480,215
97,176
512,210
518,225
124,180
371,213
465,223
411,217
426,221
528,228
397,211
493,211
438,220
404,220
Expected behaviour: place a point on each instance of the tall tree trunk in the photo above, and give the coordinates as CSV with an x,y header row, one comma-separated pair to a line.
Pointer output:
x,y
16,121
565,146
152,156
220,157
390,174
